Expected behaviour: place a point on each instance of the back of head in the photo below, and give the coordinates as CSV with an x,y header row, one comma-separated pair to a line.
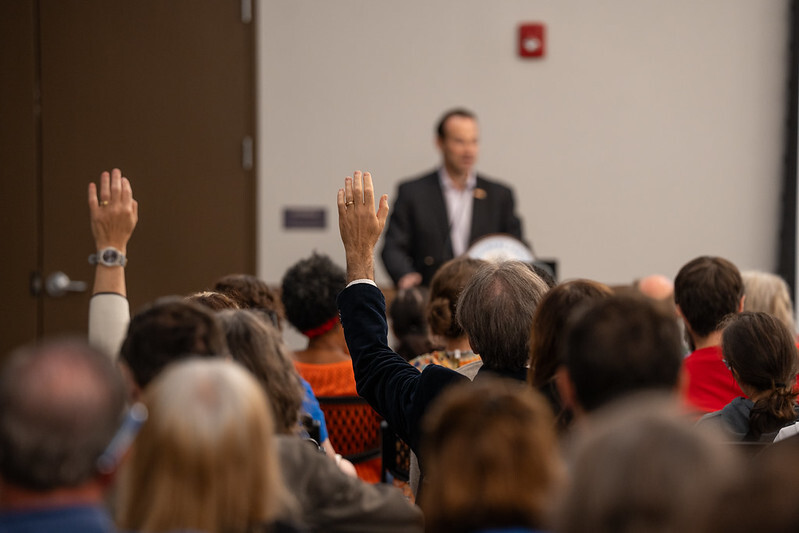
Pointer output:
x,y
766,500
491,458
309,292
768,293
250,292
445,289
549,324
707,289
408,322
215,301
620,345
496,310
257,345
61,403
205,460
169,330
762,355
640,467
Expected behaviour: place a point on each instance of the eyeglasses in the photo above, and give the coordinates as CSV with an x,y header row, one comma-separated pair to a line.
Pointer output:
x,y
112,455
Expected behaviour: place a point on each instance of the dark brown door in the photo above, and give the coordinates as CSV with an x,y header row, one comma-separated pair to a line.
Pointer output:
x,y
163,90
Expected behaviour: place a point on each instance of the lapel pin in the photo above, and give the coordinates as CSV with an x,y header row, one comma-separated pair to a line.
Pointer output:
x,y
479,193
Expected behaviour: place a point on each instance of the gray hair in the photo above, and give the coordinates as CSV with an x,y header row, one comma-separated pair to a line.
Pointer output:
x,y
770,294
496,311
60,405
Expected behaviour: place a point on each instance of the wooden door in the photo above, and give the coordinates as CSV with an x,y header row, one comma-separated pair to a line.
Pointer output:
x,y
165,91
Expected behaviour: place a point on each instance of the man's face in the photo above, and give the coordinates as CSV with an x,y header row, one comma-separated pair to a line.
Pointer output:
x,y
459,146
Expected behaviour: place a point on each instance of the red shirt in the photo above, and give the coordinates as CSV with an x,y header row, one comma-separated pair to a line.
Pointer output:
x,y
710,383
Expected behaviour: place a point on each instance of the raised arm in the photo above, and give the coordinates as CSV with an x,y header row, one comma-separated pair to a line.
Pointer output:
x,y
113,214
393,387
113,218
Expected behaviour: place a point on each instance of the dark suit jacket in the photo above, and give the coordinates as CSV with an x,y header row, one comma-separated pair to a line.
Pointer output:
x,y
417,237
394,388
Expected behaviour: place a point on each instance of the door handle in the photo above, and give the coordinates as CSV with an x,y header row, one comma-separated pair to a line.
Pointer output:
x,y
58,284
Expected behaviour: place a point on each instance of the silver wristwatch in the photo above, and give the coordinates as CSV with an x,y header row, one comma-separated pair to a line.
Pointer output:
x,y
108,257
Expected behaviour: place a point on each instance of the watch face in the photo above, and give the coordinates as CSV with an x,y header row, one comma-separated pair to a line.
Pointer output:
x,y
110,256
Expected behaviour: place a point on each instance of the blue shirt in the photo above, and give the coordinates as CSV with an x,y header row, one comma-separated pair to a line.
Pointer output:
x,y
75,519
311,406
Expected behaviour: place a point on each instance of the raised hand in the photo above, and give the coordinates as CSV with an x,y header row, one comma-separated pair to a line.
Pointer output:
x,y
115,213
359,224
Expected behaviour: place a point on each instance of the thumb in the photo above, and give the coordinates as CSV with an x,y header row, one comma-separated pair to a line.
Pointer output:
x,y
382,211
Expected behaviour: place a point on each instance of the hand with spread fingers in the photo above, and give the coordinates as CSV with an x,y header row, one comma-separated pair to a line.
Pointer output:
x,y
115,213
360,226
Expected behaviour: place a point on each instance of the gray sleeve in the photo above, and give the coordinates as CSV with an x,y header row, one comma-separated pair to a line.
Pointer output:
x,y
329,500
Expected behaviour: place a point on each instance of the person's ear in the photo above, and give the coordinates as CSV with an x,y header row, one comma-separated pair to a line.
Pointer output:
x,y
741,304
565,386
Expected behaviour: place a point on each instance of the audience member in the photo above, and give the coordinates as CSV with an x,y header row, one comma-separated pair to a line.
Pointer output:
x,y
215,301
706,290
406,316
309,292
166,331
640,466
256,344
656,286
761,353
61,403
445,290
493,459
547,336
252,293
766,499
495,310
769,293
206,458
617,346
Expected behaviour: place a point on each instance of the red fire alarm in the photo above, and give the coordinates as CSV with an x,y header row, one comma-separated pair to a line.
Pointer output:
x,y
532,39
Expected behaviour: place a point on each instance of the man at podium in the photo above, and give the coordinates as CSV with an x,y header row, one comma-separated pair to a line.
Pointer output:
x,y
439,215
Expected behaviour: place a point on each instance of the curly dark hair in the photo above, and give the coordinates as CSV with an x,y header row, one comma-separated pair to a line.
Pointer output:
x,y
309,291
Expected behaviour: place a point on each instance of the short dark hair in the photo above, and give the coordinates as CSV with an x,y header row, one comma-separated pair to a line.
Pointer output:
x,y
761,352
169,330
62,402
619,345
496,310
309,291
707,289
457,112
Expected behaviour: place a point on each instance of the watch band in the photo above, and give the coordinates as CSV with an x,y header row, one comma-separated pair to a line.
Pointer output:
x,y
108,256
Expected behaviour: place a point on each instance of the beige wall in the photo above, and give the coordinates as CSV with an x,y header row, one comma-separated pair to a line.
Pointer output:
x,y
651,133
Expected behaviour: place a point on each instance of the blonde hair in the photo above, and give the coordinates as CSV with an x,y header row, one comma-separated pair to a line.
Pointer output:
x,y
491,458
206,458
768,293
